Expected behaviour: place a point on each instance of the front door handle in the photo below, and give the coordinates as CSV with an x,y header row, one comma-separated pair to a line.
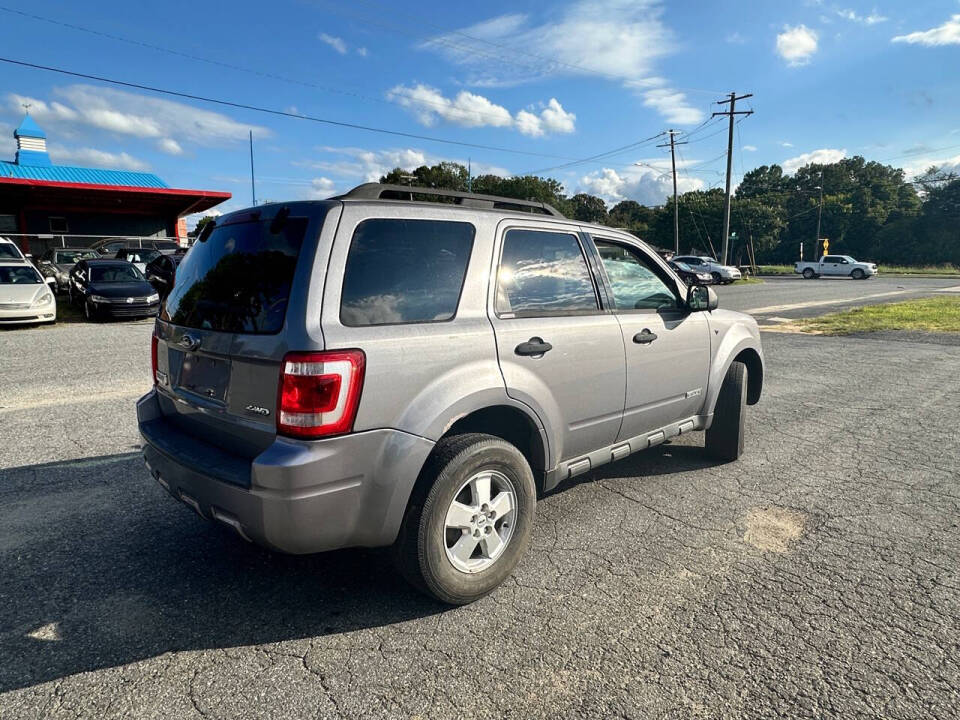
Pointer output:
x,y
645,337
533,346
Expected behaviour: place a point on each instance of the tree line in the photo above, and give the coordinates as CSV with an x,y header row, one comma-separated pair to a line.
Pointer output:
x,y
869,210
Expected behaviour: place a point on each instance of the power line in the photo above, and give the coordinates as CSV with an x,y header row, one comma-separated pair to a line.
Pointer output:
x,y
270,75
609,153
272,111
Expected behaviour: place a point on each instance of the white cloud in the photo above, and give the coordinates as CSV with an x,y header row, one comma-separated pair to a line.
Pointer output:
x,y
91,157
645,185
784,143
361,165
750,148
468,109
672,106
322,187
362,51
797,44
336,43
123,113
946,34
735,38
873,18
616,39
823,156
170,146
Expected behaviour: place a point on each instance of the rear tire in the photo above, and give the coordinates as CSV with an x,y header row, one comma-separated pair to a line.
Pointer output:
x,y
808,274
725,436
428,550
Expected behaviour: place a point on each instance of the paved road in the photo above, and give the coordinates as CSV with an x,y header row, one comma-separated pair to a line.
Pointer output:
x,y
816,577
793,297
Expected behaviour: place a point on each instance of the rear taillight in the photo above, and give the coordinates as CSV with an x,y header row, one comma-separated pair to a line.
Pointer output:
x,y
153,356
319,393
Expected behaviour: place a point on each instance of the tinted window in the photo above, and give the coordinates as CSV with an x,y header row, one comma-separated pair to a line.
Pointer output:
x,y
19,275
634,283
9,250
543,273
237,278
404,271
72,256
114,273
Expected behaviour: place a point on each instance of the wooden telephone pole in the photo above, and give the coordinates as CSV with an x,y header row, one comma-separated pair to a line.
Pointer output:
x,y
726,208
676,211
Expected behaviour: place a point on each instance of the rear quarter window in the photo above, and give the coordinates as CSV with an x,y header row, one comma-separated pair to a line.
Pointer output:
x,y
405,271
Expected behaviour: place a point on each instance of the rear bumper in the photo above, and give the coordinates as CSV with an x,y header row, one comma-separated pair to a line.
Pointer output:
x,y
296,496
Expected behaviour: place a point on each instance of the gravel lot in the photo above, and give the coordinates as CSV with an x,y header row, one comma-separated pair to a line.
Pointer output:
x,y
816,577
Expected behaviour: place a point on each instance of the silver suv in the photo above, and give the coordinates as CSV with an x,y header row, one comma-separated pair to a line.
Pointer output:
x,y
377,370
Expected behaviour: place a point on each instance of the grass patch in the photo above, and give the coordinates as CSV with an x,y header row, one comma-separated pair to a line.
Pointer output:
x,y
749,280
939,314
920,269
774,269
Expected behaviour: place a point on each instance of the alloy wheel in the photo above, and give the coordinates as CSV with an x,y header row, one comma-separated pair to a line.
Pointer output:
x,y
479,522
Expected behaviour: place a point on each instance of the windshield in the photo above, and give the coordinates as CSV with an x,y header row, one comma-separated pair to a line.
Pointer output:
x,y
23,275
9,250
682,266
114,273
63,257
238,277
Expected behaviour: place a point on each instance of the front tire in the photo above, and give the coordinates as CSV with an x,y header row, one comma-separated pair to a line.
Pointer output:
x,y
88,312
717,279
469,522
858,274
725,437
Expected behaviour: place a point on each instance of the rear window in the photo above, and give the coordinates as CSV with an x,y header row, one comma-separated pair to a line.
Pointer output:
x,y
405,271
237,278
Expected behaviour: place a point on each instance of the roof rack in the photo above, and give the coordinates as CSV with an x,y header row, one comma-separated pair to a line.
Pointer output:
x,y
379,191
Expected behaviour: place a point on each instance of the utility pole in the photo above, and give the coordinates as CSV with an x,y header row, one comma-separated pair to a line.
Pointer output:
x,y
726,208
676,216
253,186
816,242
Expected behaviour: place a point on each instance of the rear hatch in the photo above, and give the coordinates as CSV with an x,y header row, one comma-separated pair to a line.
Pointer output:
x,y
221,335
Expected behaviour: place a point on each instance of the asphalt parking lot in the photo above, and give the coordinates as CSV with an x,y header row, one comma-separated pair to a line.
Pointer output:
x,y
816,577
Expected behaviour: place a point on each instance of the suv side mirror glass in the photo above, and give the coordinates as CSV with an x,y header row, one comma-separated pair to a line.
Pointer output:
x,y
701,297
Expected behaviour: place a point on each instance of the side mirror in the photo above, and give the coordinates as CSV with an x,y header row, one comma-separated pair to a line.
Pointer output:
x,y
701,297
50,281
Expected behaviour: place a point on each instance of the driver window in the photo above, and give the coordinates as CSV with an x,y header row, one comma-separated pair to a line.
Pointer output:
x,y
634,283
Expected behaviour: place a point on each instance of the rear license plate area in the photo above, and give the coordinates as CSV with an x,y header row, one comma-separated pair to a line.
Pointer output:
x,y
205,376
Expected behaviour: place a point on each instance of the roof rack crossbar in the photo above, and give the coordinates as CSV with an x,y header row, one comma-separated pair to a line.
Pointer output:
x,y
376,191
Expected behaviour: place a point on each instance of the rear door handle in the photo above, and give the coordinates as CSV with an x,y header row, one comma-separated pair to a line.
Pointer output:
x,y
533,346
645,337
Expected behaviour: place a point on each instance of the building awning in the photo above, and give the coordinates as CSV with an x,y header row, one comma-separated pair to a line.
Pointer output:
x,y
30,193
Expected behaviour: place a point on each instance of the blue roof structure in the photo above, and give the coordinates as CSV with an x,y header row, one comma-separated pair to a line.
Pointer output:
x,y
29,128
33,163
91,176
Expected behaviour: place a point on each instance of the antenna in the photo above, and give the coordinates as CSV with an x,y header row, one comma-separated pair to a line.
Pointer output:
x,y
26,107
253,185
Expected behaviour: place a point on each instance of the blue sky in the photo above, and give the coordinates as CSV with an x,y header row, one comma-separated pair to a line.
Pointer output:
x,y
559,82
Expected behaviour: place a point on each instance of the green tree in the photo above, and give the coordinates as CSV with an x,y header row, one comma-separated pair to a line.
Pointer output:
x,y
589,208
633,216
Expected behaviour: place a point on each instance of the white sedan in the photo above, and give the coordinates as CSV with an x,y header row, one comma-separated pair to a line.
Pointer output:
x,y
25,297
722,274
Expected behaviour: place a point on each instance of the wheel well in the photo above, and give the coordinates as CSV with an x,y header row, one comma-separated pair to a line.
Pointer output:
x,y
751,358
512,425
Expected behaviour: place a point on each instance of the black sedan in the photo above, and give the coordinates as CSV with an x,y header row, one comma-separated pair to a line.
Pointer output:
x,y
112,288
689,275
161,272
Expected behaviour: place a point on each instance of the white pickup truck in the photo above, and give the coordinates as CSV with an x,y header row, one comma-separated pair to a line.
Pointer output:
x,y
836,265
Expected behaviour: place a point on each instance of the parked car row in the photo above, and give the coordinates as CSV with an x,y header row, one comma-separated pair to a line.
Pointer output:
x,y
105,280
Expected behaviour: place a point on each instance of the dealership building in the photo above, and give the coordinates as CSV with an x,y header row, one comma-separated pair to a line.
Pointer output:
x,y
43,204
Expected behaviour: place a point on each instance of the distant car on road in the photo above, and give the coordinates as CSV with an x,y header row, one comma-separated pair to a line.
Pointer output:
x,y
25,297
838,266
138,256
689,275
58,262
721,274
112,288
161,272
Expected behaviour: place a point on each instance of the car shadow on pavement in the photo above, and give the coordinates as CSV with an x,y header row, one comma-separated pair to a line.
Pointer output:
x,y
99,567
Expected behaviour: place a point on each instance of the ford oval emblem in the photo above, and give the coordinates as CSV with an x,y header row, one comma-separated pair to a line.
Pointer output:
x,y
189,342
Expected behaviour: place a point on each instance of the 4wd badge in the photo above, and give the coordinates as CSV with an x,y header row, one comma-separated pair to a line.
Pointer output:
x,y
258,410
